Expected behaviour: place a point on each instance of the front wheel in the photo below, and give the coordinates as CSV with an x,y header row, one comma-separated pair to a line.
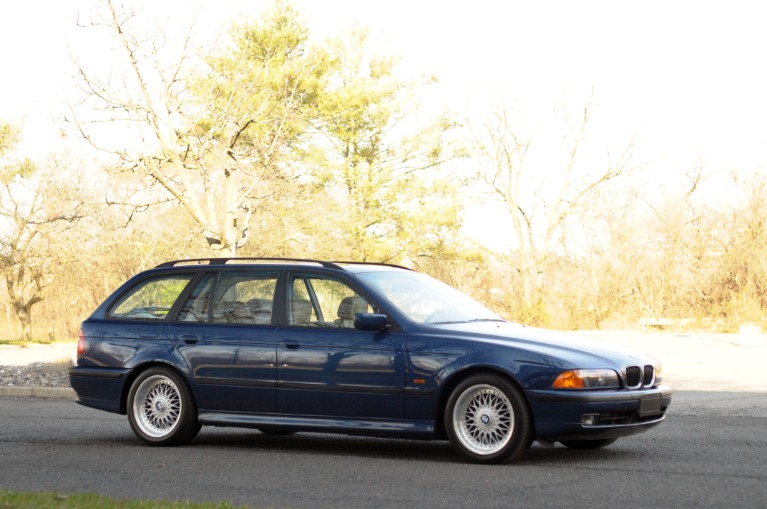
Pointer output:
x,y
161,409
487,420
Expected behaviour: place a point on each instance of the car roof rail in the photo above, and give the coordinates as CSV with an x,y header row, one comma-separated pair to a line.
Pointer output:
x,y
373,263
234,259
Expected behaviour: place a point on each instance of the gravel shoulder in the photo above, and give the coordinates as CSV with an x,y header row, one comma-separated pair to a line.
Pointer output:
x,y
37,370
41,380
38,374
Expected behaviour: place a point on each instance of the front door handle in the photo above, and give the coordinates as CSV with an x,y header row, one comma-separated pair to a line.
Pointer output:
x,y
290,344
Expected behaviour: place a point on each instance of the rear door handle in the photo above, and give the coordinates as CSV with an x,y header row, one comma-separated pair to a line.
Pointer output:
x,y
290,344
190,339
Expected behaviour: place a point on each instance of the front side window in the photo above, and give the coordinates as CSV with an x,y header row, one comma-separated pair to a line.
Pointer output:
x,y
150,299
315,300
236,297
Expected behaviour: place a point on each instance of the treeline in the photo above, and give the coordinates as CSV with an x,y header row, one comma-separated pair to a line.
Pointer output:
x,y
271,143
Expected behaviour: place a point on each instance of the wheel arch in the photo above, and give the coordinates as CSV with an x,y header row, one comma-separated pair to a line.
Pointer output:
x,y
456,378
137,370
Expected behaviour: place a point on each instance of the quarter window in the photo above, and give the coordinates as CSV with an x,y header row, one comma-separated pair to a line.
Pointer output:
x,y
151,299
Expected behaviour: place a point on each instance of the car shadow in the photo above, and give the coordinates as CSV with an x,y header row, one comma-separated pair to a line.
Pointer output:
x,y
387,448
538,455
329,444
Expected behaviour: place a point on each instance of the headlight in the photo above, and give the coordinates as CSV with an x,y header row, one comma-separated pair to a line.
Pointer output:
x,y
658,373
587,379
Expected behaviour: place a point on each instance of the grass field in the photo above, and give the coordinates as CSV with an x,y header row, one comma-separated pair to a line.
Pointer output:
x,y
19,500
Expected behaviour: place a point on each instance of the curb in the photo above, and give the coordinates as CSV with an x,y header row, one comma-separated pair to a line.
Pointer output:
x,y
38,392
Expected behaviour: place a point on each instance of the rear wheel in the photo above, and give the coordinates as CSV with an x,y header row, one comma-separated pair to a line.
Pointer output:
x,y
487,420
161,409
588,445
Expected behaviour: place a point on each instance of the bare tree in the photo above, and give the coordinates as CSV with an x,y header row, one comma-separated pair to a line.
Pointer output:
x,y
735,287
539,208
33,204
210,131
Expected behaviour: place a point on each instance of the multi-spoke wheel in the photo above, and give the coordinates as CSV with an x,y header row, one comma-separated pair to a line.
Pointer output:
x,y
161,410
487,420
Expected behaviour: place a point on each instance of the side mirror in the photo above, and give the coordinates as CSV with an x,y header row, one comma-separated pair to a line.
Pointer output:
x,y
371,322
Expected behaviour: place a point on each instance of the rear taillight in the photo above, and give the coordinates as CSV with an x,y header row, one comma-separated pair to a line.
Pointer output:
x,y
81,343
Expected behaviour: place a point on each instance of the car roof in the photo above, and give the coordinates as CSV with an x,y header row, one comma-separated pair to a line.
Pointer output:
x,y
349,266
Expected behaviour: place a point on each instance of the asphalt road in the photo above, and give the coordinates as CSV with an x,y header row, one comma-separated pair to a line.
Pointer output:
x,y
710,452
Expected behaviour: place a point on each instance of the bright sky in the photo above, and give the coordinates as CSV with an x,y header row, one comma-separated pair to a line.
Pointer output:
x,y
687,78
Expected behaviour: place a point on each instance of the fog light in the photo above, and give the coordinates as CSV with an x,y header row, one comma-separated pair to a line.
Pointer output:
x,y
590,419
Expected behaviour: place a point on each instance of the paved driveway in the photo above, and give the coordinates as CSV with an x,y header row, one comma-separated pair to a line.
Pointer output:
x,y
700,361
18,356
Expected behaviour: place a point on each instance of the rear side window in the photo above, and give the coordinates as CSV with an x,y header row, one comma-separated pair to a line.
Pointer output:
x,y
238,297
151,299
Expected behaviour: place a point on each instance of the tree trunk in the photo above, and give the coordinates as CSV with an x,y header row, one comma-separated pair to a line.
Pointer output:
x,y
22,306
24,314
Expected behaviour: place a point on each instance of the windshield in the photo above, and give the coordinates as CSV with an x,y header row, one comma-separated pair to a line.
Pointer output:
x,y
427,301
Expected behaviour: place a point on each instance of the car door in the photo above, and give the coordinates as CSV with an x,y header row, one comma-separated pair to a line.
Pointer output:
x,y
326,367
226,335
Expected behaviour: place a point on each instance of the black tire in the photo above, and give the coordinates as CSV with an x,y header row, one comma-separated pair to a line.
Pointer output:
x,y
588,445
487,420
161,409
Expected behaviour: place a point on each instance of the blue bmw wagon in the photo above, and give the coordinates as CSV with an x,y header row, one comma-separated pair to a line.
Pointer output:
x,y
286,345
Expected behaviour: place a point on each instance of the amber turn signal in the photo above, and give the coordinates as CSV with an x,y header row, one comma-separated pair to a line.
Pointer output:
x,y
587,379
569,380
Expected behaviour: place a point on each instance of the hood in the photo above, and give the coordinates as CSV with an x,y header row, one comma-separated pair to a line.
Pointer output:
x,y
568,346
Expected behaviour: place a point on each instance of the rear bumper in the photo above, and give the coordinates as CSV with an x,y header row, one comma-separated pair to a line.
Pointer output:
x,y
98,387
582,415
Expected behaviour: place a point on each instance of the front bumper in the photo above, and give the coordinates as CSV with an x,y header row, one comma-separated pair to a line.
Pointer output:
x,y
585,415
